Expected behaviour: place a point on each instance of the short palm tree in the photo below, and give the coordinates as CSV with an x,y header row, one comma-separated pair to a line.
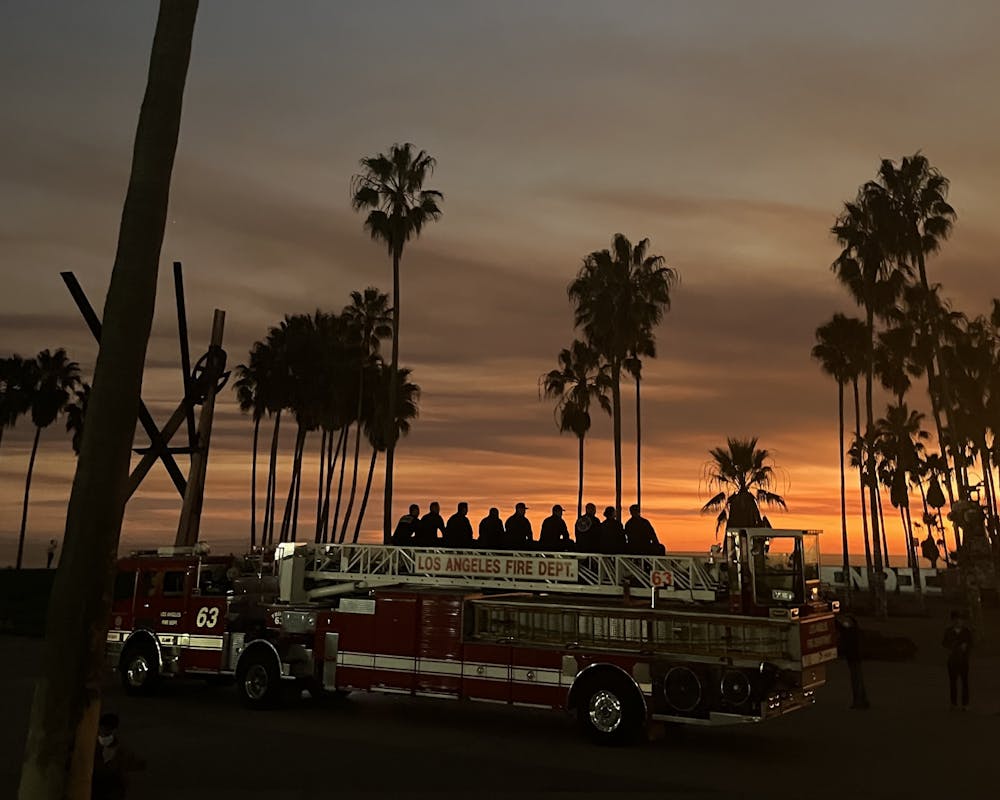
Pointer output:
x,y
368,318
832,350
16,376
55,382
580,380
620,296
250,386
744,479
376,424
76,413
390,188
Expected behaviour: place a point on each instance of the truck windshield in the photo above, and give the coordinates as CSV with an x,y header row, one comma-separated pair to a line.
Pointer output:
x,y
782,565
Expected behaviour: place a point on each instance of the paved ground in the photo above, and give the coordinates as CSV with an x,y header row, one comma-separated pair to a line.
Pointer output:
x,y
199,743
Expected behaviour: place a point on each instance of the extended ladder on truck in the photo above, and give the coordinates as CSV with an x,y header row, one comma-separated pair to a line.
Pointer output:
x,y
311,572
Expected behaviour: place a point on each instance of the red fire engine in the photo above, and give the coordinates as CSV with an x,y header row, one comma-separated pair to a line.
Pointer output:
x,y
740,635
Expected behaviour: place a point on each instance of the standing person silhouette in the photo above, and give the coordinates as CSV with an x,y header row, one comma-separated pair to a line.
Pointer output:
x,y
430,523
491,533
406,528
554,535
518,535
958,641
588,529
612,536
458,531
50,553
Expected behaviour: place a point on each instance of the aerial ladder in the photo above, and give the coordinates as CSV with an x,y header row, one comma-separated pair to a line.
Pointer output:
x,y
314,571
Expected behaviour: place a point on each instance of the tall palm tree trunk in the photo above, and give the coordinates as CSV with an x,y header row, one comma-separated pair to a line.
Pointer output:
x,y
27,492
340,485
286,518
638,447
59,755
331,463
881,607
357,455
298,484
918,587
616,399
364,499
390,438
267,528
319,487
579,494
861,492
843,489
253,483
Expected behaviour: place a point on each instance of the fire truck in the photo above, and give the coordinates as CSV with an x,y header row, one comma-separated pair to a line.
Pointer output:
x,y
739,635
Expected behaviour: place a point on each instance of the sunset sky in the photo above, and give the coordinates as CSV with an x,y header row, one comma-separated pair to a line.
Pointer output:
x,y
727,133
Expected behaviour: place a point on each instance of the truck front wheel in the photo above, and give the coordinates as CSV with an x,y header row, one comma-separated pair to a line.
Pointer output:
x,y
258,679
610,710
139,668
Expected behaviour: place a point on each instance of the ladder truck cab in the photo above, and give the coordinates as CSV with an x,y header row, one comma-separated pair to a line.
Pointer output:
x,y
182,611
739,635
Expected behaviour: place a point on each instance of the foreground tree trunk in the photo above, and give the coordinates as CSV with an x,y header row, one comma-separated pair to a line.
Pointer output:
x,y
67,702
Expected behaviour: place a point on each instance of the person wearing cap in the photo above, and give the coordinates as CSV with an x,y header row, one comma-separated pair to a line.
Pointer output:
x,y
612,536
640,536
491,535
554,534
588,529
517,530
458,531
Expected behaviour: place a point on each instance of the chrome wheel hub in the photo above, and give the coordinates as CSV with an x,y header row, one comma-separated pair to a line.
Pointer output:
x,y
605,711
256,682
137,672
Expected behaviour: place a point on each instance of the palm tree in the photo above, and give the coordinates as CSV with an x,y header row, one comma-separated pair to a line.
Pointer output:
x,y
56,380
391,189
832,350
900,437
251,398
867,268
369,321
76,413
620,296
580,379
16,376
376,424
744,479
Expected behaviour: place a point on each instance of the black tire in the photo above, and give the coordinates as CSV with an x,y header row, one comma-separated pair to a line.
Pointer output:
x,y
609,709
139,668
258,679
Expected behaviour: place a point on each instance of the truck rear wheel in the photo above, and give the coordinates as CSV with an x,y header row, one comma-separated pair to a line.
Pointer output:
x,y
258,679
609,709
139,668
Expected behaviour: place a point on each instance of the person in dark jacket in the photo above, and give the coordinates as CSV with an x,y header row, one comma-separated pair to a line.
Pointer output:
x,y
554,534
612,536
111,762
958,640
849,641
640,537
491,535
458,531
430,523
406,528
588,529
517,530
